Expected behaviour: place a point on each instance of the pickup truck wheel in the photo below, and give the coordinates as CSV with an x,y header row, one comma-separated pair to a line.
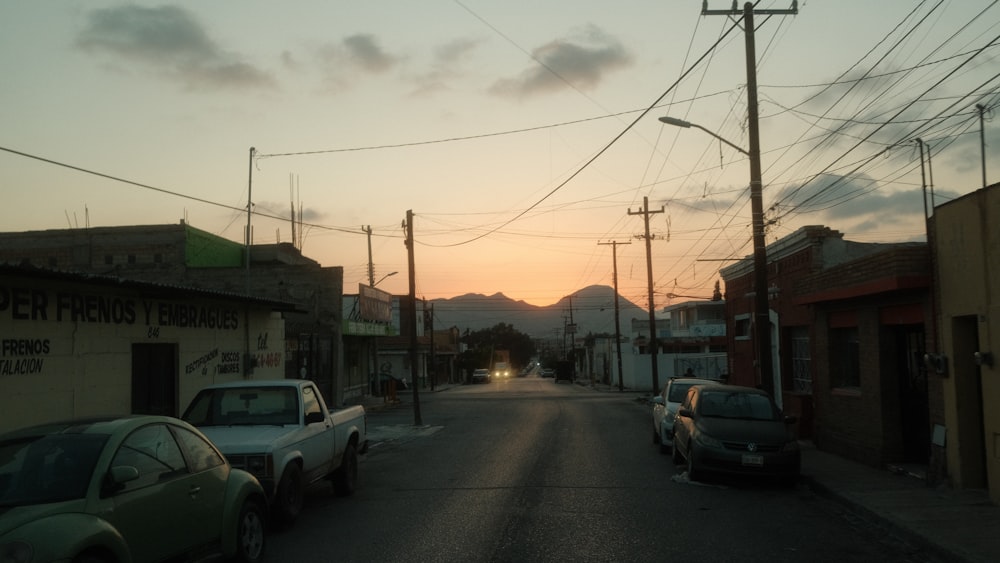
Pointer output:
x,y
288,501
250,533
345,478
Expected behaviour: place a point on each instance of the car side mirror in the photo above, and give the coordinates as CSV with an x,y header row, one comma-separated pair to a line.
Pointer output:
x,y
117,477
687,413
314,417
658,400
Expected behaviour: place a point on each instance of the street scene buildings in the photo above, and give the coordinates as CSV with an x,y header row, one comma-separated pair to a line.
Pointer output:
x,y
883,352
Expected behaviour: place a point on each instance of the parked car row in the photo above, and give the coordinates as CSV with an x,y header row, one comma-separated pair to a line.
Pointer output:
x,y
126,488
155,488
720,429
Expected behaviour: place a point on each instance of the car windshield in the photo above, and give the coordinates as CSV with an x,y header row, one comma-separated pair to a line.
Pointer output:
x,y
244,406
47,468
747,406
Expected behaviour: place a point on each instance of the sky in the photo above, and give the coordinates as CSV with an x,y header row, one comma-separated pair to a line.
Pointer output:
x,y
523,135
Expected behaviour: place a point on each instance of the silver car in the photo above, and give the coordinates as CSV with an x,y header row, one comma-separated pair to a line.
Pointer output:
x,y
665,407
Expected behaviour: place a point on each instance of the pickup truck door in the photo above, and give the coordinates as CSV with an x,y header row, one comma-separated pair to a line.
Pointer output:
x,y
319,443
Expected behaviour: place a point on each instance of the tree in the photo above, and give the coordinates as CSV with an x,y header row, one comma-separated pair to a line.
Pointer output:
x,y
480,345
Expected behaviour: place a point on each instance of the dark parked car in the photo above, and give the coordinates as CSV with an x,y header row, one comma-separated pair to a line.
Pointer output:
x,y
481,375
728,429
126,488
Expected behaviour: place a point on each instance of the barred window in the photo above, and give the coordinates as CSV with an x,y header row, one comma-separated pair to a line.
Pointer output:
x,y
845,363
801,361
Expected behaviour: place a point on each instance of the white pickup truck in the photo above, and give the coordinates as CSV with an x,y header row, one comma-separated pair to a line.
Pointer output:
x,y
282,432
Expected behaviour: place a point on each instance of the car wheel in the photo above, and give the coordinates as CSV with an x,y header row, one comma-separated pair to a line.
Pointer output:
x,y
694,473
345,478
676,455
656,436
664,448
289,497
250,533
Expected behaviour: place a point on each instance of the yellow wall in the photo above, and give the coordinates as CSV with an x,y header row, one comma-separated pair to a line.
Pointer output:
x,y
61,360
968,269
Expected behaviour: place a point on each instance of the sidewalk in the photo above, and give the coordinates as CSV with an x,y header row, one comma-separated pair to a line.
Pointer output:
x,y
954,524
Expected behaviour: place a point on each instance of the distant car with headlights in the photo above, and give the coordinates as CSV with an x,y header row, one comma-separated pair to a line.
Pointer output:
x,y
127,488
728,429
481,375
501,370
665,407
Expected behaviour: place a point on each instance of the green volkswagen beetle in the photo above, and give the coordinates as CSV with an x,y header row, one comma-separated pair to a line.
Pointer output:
x,y
124,489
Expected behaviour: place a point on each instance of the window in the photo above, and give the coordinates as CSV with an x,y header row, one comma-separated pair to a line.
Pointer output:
x,y
154,452
845,364
801,362
310,402
200,453
741,327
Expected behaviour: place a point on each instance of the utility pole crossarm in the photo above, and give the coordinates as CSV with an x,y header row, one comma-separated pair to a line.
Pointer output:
x,y
736,10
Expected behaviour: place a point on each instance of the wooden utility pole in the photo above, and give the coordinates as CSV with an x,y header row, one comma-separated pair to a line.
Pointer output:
x,y
653,343
408,226
762,317
618,331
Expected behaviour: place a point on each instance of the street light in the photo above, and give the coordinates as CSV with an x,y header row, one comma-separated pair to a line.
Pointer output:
x,y
762,318
685,124
390,274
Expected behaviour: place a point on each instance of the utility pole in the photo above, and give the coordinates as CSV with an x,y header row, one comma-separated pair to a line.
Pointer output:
x,y
371,265
408,226
429,322
982,139
247,361
653,343
618,331
762,317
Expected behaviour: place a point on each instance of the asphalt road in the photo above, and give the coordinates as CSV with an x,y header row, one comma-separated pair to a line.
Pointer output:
x,y
531,470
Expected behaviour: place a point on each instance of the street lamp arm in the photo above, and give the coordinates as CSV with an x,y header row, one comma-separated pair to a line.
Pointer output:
x,y
686,124
383,278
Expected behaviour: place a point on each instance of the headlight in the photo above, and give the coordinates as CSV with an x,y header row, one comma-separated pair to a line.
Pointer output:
x,y
259,465
16,552
707,441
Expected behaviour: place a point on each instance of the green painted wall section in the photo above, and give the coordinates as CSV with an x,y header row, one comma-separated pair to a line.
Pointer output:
x,y
205,250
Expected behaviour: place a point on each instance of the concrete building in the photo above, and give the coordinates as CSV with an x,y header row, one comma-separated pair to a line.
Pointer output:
x,y
691,335
966,242
182,255
75,345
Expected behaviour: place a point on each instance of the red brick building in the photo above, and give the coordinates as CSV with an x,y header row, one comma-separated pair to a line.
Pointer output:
x,y
850,323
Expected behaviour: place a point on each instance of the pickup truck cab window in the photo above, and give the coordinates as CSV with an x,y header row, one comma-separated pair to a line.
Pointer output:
x,y
309,401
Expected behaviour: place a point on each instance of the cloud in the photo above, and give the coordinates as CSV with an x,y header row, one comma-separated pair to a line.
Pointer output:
x,y
365,52
168,40
444,68
360,51
582,61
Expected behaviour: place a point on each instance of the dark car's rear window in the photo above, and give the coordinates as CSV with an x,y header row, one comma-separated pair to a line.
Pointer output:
x,y
724,404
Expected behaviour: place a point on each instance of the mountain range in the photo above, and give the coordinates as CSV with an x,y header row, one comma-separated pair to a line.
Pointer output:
x,y
592,310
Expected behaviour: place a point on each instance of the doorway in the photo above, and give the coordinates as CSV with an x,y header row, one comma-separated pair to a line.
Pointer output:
x,y
909,348
971,443
154,379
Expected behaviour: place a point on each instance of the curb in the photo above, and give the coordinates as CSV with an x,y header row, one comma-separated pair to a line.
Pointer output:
x,y
887,524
